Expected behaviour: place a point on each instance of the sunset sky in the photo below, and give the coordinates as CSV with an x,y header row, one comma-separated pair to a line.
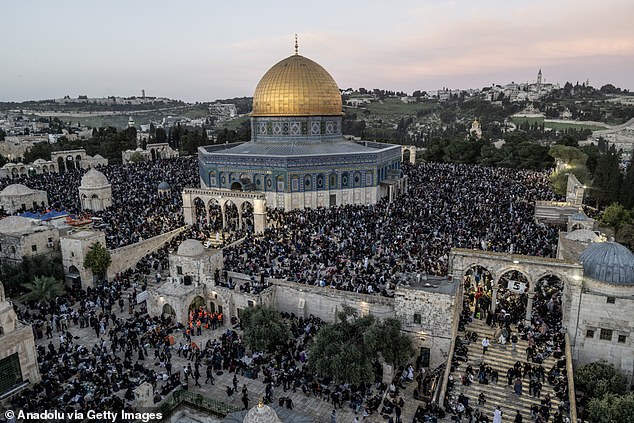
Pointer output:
x,y
205,50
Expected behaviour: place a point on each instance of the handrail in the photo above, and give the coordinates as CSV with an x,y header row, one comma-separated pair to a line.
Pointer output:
x,y
571,383
454,332
181,396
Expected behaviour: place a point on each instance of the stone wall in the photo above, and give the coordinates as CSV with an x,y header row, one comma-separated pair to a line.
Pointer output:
x,y
304,300
127,257
428,315
595,314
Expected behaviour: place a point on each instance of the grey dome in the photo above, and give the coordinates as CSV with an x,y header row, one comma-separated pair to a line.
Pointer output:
x,y
578,216
164,185
17,189
609,262
190,248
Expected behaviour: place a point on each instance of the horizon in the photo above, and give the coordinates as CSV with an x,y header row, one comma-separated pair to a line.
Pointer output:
x,y
202,52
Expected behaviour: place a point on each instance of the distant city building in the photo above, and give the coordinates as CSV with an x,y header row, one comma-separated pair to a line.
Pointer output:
x,y
151,152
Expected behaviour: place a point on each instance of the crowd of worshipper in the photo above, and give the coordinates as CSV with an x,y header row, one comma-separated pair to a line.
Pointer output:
x,y
369,249
138,212
77,376
545,338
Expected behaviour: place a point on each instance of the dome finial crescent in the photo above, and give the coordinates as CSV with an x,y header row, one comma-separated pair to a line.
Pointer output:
x,y
296,47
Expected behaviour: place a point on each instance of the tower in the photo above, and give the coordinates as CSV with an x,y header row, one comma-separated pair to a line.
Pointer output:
x,y
539,78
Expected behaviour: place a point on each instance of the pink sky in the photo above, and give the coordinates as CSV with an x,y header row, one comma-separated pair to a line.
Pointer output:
x,y
201,50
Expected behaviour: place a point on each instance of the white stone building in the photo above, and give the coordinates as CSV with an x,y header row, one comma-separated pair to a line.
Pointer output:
x,y
21,237
95,192
77,159
18,357
74,247
18,197
152,152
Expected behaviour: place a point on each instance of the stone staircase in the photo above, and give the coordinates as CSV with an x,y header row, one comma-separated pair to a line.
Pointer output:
x,y
499,357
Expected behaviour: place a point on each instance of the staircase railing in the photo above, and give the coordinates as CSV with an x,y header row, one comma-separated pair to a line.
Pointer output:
x,y
571,382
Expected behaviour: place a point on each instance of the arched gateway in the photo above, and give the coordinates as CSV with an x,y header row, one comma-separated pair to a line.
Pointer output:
x,y
238,209
524,279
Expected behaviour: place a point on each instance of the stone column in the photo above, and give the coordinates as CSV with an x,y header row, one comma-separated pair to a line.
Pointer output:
x,y
529,307
239,217
224,217
188,214
259,216
494,298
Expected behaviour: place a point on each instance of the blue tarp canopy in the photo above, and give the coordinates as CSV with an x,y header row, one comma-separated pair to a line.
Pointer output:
x,y
53,214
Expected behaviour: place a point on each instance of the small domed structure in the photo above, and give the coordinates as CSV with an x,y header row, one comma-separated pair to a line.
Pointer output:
x,y
583,235
95,192
190,248
261,414
17,197
16,189
94,179
164,190
608,262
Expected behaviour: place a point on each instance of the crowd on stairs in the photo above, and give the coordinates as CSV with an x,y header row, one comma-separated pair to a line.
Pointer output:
x,y
497,340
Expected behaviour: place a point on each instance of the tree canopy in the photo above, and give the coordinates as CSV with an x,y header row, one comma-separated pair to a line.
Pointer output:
x,y
346,350
264,329
97,259
605,390
43,288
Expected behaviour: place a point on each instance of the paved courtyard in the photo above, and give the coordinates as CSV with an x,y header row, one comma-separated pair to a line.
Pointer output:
x,y
320,409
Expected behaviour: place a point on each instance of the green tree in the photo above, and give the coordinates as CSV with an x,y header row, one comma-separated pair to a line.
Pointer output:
x,y
600,378
572,156
615,215
607,177
386,337
97,259
627,189
43,288
136,157
612,408
264,329
346,350
625,235
41,150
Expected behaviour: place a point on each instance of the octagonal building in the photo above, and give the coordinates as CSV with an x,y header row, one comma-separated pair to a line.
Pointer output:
x,y
298,155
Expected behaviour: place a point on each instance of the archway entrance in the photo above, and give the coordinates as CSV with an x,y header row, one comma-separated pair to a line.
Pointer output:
x,y
546,301
512,297
60,165
406,155
200,212
232,219
236,186
247,216
478,291
197,302
168,310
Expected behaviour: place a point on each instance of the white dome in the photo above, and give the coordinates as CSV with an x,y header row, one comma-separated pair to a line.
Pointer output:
x,y
15,224
94,179
583,235
190,248
16,189
261,414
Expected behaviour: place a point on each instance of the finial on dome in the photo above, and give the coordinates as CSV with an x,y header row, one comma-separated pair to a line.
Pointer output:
x,y
296,47
261,402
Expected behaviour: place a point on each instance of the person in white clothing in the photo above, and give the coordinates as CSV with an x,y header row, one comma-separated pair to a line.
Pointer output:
x,y
497,415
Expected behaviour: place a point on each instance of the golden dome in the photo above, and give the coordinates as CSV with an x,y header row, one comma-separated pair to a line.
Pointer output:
x,y
297,86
